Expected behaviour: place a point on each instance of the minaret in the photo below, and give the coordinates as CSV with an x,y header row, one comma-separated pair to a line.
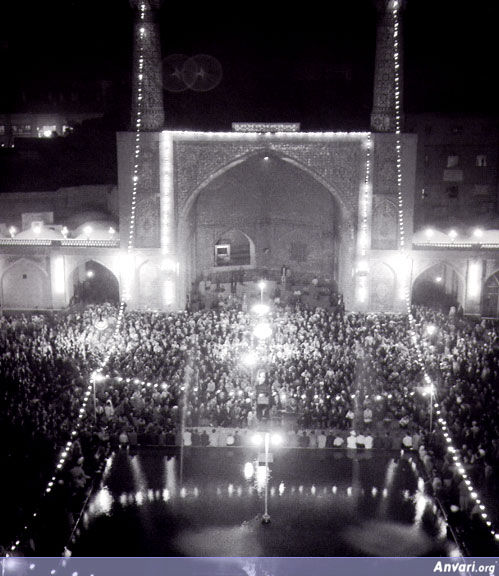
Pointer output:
x,y
147,45
383,114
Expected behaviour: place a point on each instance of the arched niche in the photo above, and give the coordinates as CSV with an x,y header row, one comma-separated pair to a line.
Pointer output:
x,y
92,282
438,286
490,297
25,285
266,198
233,248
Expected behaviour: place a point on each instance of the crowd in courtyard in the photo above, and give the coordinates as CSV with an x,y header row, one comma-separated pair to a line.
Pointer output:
x,y
322,373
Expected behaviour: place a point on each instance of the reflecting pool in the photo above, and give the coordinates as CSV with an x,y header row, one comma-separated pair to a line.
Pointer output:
x,y
210,502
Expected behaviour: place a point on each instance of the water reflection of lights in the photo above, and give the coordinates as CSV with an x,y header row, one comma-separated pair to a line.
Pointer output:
x,y
102,502
260,477
249,470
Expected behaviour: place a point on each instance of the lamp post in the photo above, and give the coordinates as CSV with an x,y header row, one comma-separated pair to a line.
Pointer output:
x,y
261,285
96,377
431,407
430,390
266,515
276,440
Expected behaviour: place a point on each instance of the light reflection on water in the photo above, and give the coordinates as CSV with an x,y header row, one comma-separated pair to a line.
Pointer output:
x,y
319,505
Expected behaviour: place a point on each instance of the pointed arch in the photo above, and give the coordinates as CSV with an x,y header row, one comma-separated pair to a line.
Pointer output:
x,y
25,285
93,281
234,248
490,296
438,284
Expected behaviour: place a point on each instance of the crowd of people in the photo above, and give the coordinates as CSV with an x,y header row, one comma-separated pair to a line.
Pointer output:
x,y
317,370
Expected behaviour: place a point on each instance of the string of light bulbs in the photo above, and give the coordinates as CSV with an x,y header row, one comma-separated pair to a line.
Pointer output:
x,y
66,451
485,516
363,239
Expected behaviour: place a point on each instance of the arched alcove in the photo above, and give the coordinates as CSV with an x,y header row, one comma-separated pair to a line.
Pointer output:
x,y
439,286
25,285
253,209
490,298
234,248
94,283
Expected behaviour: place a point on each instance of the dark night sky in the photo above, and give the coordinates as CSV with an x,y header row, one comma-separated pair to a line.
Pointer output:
x,y
301,64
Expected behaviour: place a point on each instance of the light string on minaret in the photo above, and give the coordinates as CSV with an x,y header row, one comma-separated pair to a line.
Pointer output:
x,y
363,238
129,255
451,449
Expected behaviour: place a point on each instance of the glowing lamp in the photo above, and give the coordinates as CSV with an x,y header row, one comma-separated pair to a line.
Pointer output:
x,y
261,309
250,358
256,439
249,470
431,329
276,439
262,331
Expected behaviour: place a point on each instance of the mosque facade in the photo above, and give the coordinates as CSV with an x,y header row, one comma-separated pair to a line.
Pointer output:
x,y
322,213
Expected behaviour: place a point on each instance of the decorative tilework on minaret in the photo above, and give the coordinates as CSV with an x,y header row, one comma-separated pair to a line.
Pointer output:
x,y
146,19
383,114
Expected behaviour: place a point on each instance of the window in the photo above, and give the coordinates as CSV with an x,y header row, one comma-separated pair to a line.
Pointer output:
x,y
2,129
424,194
481,160
298,251
222,254
453,191
452,161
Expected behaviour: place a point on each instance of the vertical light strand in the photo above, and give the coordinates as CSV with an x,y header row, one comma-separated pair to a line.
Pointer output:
x,y
412,323
362,270
97,376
